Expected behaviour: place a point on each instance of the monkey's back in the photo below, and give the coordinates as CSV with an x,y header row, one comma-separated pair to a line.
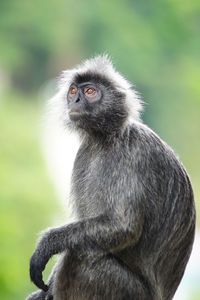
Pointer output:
x,y
166,242
160,256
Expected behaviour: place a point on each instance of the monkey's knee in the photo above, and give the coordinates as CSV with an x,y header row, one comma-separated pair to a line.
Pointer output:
x,y
39,295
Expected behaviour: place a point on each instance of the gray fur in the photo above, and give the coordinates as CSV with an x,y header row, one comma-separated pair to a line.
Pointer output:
x,y
133,200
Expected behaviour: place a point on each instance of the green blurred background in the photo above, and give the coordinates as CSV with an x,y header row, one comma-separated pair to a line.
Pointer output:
x,y
155,43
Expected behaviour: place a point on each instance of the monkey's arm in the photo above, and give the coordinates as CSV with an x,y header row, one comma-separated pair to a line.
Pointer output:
x,y
105,233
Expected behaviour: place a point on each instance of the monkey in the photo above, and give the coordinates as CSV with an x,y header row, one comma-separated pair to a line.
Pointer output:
x,y
131,195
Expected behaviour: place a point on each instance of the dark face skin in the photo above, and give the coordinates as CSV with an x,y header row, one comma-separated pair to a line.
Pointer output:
x,y
95,105
81,99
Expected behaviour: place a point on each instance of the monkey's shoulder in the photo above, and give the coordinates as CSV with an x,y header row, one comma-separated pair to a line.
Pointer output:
x,y
148,144
152,155
139,146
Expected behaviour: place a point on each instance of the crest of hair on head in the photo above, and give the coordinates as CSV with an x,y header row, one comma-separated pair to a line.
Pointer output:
x,y
102,65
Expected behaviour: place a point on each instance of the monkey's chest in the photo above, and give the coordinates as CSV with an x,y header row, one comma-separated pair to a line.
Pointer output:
x,y
90,186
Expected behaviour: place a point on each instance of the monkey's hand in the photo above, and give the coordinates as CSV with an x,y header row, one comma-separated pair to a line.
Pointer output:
x,y
45,249
37,265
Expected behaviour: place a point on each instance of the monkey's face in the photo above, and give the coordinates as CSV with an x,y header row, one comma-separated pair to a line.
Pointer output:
x,y
81,97
94,104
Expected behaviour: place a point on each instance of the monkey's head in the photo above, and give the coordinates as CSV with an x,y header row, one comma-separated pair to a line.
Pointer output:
x,y
98,99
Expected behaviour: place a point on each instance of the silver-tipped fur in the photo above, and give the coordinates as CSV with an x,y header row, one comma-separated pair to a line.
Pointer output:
x,y
102,64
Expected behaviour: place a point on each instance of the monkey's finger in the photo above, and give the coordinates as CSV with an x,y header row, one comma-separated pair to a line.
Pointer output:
x,y
37,265
41,285
36,278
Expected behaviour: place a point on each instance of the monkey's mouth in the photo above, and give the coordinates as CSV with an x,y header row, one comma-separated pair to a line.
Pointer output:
x,y
75,114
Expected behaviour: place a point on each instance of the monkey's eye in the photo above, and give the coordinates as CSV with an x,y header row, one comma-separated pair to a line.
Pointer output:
x,y
90,92
73,91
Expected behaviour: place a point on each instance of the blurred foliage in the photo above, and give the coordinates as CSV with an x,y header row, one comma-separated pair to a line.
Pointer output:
x,y
155,43
24,193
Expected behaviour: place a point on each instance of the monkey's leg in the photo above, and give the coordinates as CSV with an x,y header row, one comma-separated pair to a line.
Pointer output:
x,y
39,295
104,278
